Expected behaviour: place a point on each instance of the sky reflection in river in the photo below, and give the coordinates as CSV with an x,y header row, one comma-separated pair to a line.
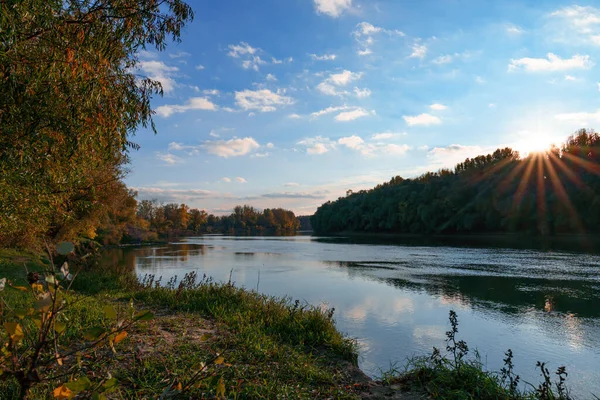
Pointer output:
x,y
395,299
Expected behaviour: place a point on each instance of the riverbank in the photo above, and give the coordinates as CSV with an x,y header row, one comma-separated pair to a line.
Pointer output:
x,y
209,340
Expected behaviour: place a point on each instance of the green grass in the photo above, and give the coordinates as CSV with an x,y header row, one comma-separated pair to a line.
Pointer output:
x,y
270,347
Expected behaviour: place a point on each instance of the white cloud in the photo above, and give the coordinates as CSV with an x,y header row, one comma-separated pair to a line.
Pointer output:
x,y
329,110
552,63
270,145
361,93
291,184
353,142
333,8
580,117
317,145
419,51
227,180
211,92
231,148
513,29
193,103
364,32
450,155
366,29
385,135
492,105
369,149
422,119
352,115
262,100
242,49
161,72
438,107
271,77
445,59
324,57
570,78
330,85
169,158
240,179
179,54
249,54
199,67
598,85
294,116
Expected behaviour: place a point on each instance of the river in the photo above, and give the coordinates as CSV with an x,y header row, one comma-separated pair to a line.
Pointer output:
x,y
395,298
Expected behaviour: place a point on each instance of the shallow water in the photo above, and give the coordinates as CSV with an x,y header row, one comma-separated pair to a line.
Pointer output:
x,y
394,299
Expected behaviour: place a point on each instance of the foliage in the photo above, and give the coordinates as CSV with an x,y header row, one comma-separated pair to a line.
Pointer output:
x,y
454,376
38,348
544,193
167,220
70,102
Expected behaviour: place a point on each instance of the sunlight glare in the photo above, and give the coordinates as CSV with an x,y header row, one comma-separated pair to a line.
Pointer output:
x,y
534,142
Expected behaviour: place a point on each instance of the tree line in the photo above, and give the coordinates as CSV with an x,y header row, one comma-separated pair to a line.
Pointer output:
x,y
547,193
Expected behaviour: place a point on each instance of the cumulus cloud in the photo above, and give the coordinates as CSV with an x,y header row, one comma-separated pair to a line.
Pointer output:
x,y
438,107
317,145
369,149
552,63
422,119
193,103
581,21
248,54
262,100
364,32
169,158
418,51
271,77
450,155
226,180
329,110
199,67
332,8
231,148
240,179
294,116
331,86
361,93
352,115
386,135
324,57
161,72
513,29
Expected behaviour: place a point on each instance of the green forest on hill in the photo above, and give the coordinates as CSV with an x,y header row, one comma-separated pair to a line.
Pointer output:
x,y
554,192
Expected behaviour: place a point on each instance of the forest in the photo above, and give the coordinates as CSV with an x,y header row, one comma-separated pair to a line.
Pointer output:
x,y
547,193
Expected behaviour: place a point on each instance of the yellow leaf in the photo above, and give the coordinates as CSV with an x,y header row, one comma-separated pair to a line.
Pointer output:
x,y
219,360
21,288
14,330
37,287
120,336
220,391
63,392
179,386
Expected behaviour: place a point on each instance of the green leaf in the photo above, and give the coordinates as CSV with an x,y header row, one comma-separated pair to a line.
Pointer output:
x,y
112,383
110,312
50,279
98,396
79,385
64,248
21,312
59,327
93,333
143,316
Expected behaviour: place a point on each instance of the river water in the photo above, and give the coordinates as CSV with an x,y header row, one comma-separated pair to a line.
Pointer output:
x,y
395,298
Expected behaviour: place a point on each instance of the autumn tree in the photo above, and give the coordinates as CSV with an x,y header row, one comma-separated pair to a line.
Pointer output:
x,y
70,102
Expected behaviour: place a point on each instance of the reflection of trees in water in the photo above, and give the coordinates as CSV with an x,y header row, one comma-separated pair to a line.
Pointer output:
x,y
511,295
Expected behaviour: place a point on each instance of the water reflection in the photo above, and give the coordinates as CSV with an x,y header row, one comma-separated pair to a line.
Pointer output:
x,y
395,299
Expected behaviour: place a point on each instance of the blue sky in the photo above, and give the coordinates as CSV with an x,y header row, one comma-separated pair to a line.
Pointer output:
x,y
290,103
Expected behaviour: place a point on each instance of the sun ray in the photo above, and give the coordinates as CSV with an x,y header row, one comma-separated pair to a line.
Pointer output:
x,y
562,194
542,212
518,199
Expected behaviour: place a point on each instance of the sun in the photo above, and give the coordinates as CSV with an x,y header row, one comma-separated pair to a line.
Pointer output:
x,y
534,142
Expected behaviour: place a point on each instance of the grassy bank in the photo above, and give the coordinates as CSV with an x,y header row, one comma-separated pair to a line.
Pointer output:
x,y
206,340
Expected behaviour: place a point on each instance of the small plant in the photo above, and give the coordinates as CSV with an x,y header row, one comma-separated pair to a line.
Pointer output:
x,y
458,349
508,375
35,349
